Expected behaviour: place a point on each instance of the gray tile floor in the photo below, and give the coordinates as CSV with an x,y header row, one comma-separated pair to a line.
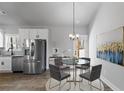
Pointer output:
x,y
22,82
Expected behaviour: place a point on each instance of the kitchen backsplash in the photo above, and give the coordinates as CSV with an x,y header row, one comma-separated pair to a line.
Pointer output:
x,y
16,52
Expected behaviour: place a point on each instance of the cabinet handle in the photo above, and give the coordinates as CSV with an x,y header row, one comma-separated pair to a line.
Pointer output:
x,y
2,63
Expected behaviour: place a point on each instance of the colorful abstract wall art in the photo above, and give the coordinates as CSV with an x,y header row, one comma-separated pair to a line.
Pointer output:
x,y
110,46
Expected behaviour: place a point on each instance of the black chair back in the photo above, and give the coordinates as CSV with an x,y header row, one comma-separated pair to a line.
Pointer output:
x,y
55,72
85,58
95,72
87,64
58,61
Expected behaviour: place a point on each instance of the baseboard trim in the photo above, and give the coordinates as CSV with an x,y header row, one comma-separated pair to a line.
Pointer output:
x,y
113,87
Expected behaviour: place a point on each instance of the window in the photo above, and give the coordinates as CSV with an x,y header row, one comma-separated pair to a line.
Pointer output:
x,y
11,38
1,38
27,42
81,53
80,46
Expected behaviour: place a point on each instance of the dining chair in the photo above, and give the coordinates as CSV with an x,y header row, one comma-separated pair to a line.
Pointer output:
x,y
92,75
57,74
85,66
59,62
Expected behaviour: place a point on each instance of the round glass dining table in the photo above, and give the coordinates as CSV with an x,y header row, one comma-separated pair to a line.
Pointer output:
x,y
73,62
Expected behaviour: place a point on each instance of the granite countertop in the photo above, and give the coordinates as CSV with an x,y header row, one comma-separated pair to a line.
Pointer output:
x,y
11,55
17,55
5,55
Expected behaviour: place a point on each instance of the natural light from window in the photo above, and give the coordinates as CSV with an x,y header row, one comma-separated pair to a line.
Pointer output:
x,y
1,38
8,41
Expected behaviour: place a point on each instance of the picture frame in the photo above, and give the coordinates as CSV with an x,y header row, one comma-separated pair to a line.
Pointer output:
x,y
110,46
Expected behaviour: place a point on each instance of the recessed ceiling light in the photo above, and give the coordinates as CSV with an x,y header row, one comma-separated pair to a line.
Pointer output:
x,y
2,12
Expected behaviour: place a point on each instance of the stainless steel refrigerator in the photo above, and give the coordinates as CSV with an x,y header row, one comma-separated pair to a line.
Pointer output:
x,y
40,53
36,63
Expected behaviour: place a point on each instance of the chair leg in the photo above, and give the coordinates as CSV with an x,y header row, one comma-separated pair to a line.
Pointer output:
x,y
50,83
88,82
66,79
69,84
75,76
90,85
80,83
59,85
82,80
69,70
52,86
100,84
81,71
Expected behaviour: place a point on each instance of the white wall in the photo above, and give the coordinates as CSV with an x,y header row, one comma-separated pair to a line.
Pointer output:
x,y
109,17
59,37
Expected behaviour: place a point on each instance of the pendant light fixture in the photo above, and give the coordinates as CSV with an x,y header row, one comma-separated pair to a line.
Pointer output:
x,y
73,36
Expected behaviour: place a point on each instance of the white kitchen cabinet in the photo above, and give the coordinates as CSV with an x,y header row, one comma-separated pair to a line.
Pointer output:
x,y
38,33
32,34
23,35
6,64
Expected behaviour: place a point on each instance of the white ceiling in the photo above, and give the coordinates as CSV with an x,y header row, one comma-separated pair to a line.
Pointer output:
x,y
47,14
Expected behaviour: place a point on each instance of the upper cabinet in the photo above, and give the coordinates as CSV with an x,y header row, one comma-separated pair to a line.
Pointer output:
x,y
24,33
38,33
28,34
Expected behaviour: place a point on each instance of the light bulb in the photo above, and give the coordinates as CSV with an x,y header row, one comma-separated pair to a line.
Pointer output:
x,y
70,35
73,36
77,35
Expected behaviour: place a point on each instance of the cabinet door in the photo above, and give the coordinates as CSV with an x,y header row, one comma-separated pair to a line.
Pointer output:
x,y
5,63
23,35
38,33
33,33
43,33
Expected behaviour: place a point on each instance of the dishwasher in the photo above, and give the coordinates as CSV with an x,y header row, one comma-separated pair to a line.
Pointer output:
x,y
17,63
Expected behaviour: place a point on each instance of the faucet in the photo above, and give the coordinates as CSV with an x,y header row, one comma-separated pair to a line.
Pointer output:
x,y
11,50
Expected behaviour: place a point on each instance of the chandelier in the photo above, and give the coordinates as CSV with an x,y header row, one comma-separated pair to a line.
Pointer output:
x,y
73,35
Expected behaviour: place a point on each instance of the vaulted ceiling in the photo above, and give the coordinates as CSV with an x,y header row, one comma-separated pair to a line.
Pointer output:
x,y
47,13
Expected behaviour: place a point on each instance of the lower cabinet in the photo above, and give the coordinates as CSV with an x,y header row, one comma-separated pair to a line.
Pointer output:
x,y
6,64
11,63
